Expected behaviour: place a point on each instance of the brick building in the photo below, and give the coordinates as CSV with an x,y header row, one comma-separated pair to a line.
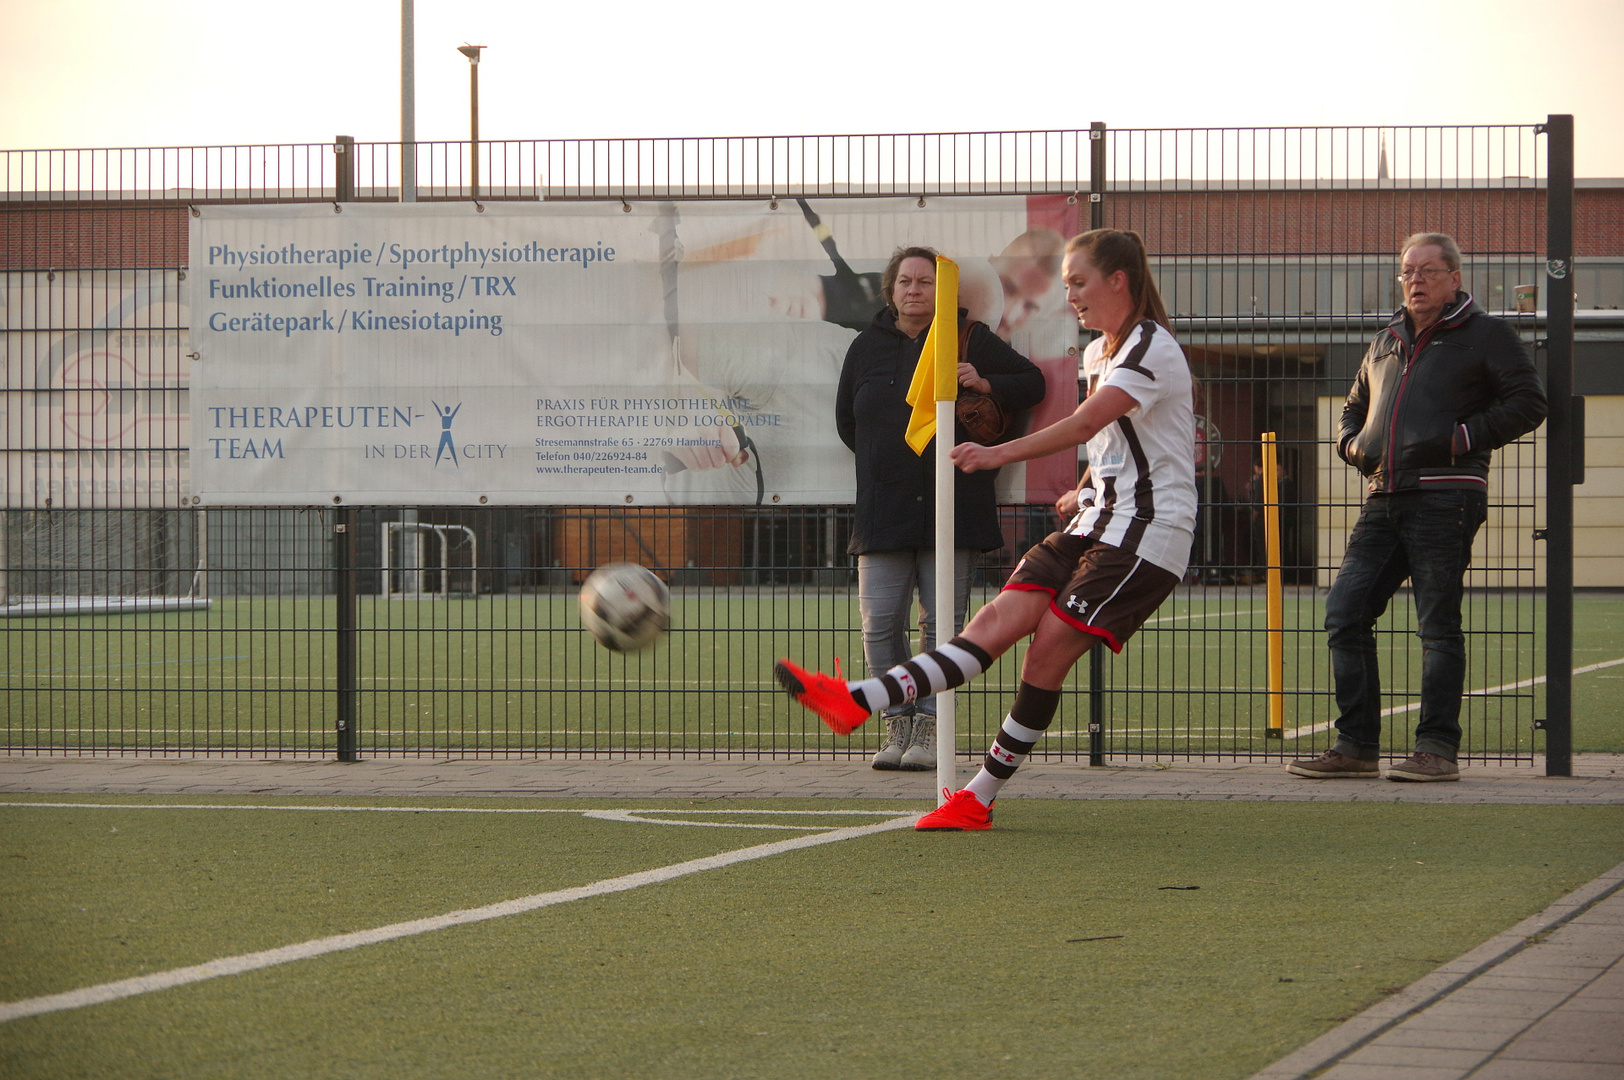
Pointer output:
x,y
1275,289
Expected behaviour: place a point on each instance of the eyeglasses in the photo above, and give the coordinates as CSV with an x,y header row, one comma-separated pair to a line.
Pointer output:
x,y
1422,275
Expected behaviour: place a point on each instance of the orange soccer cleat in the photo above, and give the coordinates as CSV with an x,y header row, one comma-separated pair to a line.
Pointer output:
x,y
823,694
961,811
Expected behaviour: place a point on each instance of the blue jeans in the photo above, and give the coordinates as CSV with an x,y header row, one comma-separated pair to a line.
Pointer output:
x,y
1425,536
886,581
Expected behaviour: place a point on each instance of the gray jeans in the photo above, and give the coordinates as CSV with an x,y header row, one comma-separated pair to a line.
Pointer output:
x,y
886,582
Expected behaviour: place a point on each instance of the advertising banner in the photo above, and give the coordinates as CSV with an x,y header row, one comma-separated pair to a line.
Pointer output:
x,y
93,413
568,353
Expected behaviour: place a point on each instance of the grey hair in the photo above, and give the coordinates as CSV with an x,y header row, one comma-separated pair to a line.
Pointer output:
x,y
1442,241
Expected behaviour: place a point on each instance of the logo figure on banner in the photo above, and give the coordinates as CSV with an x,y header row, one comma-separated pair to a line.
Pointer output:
x,y
447,414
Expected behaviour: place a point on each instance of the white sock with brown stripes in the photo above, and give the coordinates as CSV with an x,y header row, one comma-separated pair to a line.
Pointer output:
x,y
1028,719
953,664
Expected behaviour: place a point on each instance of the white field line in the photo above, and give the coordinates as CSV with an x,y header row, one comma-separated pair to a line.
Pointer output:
x,y
385,732
1168,732
1297,733
605,815
237,965
636,817
518,684
632,816
1203,615
132,663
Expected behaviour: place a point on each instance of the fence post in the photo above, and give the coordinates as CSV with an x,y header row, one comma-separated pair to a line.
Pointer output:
x,y
345,625
344,168
408,102
1563,441
1096,175
1096,658
1096,705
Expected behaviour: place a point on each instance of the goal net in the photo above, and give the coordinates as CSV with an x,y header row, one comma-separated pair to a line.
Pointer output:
x,y
76,562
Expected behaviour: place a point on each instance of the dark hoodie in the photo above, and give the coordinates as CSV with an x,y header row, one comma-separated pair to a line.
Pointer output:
x,y
896,488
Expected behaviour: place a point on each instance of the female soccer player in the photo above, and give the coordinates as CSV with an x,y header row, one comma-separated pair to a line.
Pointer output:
x,y
1123,552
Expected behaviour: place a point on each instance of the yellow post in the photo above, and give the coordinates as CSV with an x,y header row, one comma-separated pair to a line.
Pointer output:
x,y
1272,586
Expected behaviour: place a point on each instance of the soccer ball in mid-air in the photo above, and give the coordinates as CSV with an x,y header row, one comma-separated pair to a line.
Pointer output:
x,y
625,606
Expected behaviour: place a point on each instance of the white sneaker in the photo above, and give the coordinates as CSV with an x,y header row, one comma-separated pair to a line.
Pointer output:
x,y
921,752
897,730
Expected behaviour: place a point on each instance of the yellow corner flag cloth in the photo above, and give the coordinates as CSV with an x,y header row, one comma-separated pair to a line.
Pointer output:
x,y
936,378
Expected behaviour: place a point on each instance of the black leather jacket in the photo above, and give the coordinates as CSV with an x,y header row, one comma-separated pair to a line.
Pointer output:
x,y
1469,373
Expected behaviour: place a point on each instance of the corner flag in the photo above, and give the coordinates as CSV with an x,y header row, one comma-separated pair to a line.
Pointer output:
x,y
936,377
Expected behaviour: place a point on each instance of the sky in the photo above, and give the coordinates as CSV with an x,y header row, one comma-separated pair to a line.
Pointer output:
x,y
102,73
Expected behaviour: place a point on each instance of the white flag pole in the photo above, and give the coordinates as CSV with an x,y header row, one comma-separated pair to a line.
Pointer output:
x,y
946,598
937,375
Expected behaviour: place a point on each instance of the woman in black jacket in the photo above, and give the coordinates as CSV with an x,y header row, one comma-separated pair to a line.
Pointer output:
x,y
894,533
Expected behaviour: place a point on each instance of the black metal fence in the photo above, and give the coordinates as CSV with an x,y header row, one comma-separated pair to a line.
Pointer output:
x,y
137,625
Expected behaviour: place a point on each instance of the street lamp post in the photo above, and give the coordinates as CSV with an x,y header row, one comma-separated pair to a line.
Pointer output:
x,y
408,102
472,53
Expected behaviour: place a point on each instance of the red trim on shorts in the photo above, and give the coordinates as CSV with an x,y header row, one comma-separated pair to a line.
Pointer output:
x,y
1028,586
1098,631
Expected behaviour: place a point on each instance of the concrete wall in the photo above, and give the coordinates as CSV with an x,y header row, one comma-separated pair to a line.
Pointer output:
x,y
1505,555
1598,503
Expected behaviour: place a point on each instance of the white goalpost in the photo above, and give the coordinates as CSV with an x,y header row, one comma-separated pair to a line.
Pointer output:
x,y
52,580
413,564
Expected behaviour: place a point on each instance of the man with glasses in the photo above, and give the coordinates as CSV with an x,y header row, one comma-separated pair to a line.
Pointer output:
x,y
1439,389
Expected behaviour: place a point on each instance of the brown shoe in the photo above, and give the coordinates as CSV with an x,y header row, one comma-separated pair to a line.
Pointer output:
x,y
1422,766
1334,766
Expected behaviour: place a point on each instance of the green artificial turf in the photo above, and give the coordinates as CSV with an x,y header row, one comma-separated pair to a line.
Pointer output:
x,y
516,674
1598,638
1065,942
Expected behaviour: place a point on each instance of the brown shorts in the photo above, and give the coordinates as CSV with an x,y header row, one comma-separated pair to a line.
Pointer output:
x,y
1095,587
